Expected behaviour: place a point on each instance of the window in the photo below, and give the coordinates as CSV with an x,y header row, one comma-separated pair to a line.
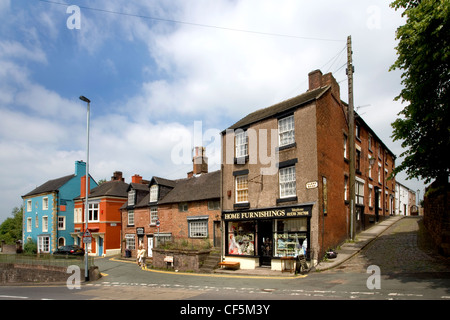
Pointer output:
x,y
198,228
44,203
36,221
154,193
287,182
153,215
183,207
289,237
43,244
345,188
241,144
131,197
369,141
28,205
358,160
359,192
131,218
130,241
93,212
29,224
357,131
214,205
345,147
242,189
370,195
379,172
61,223
77,218
286,131
370,167
241,238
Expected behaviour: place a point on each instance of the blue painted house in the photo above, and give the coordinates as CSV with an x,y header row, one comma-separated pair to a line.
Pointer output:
x,y
48,215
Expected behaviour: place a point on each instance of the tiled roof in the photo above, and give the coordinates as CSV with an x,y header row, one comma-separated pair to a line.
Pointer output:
x,y
49,186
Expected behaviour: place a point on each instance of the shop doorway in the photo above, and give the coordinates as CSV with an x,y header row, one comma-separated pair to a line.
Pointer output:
x,y
265,241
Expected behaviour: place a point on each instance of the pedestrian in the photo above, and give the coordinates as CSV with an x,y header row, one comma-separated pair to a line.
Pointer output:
x,y
141,256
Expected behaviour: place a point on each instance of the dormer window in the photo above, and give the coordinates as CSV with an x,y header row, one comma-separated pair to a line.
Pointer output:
x,y
154,193
131,197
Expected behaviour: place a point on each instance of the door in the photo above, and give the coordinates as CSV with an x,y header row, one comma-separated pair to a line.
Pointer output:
x,y
265,242
100,246
150,246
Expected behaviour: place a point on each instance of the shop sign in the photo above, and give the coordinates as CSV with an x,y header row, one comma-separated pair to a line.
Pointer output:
x,y
275,213
140,231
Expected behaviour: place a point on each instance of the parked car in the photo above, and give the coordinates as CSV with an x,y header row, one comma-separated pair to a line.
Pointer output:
x,y
70,250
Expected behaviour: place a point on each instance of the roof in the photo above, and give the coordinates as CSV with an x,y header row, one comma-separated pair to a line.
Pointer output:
x,y
114,188
280,107
164,182
50,186
202,187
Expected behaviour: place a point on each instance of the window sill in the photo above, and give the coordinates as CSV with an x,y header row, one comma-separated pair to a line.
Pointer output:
x,y
241,160
243,205
288,146
287,199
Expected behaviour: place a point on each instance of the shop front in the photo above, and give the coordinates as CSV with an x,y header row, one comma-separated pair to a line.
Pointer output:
x,y
260,238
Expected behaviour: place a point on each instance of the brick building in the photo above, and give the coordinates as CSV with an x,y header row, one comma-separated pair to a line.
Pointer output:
x,y
104,218
188,210
285,178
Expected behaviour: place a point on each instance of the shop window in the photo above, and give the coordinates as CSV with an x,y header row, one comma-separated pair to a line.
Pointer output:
x,y
290,237
241,238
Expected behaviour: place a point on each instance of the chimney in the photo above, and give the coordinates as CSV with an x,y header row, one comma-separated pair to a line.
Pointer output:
x,y
317,80
200,161
83,186
136,179
117,176
80,168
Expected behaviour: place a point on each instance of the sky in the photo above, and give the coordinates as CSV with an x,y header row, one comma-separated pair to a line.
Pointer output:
x,y
164,76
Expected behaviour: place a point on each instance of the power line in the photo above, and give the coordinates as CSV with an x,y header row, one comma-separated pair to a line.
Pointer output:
x,y
193,23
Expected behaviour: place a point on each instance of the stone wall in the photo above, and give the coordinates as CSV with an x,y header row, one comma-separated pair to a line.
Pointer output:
x,y
23,273
183,260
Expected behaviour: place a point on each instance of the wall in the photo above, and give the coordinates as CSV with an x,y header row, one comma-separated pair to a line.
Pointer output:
x,y
437,217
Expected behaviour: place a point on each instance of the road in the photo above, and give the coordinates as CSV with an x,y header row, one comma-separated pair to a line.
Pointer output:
x,y
408,269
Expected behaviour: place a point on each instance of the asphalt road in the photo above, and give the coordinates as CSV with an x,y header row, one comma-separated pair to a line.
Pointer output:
x,y
406,268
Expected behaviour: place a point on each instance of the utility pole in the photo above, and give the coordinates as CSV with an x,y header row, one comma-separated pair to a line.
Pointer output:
x,y
351,138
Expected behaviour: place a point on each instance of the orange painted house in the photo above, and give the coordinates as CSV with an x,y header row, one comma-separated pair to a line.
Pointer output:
x,y
104,217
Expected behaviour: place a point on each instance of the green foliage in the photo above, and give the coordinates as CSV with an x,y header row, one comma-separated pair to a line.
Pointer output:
x,y
423,52
11,228
30,248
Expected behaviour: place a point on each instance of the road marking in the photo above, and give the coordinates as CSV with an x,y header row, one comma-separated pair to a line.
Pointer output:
x,y
13,297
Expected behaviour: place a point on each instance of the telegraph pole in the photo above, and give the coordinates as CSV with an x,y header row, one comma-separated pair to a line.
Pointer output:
x,y
351,138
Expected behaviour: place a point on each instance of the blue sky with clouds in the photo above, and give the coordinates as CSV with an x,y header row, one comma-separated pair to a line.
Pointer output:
x,y
154,70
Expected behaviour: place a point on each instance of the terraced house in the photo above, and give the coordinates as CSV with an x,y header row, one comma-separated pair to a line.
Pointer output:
x,y
48,218
285,178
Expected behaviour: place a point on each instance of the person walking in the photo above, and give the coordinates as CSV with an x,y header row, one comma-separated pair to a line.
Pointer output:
x,y
141,257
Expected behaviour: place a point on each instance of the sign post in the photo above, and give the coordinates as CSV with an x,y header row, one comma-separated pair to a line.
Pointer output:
x,y
157,225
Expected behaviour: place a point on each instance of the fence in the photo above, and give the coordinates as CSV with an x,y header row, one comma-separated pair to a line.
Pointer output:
x,y
46,260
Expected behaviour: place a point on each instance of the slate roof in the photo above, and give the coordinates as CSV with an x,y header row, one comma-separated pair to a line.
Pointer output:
x,y
50,186
114,188
280,107
202,187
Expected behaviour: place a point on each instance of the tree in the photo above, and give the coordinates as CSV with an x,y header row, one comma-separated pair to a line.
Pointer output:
x,y
423,55
11,228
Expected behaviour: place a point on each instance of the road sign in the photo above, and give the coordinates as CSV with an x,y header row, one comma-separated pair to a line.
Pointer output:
x,y
87,236
157,223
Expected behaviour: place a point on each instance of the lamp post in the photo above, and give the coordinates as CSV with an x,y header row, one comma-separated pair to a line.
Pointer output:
x,y
86,206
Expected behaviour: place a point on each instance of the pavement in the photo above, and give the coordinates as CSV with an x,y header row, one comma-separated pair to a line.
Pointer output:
x,y
362,239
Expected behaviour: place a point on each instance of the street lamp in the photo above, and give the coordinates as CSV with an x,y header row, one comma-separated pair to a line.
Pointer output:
x,y
86,206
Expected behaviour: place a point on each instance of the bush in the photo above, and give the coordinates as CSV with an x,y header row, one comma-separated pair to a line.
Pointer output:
x,y
30,247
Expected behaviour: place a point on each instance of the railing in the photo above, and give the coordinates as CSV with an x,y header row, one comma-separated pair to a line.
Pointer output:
x,y
46,260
